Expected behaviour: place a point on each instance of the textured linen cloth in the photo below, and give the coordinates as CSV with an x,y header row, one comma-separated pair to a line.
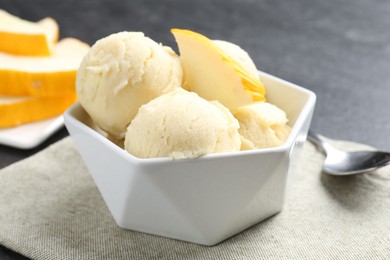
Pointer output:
x,y
50,208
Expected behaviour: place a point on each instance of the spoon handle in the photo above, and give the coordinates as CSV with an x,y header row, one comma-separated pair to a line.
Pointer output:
x,y
315,139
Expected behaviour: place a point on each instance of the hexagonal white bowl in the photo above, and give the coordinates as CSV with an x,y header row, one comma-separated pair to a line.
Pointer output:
x,y
204,200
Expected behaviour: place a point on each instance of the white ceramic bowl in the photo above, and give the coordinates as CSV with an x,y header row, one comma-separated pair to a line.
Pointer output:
x,y
203,200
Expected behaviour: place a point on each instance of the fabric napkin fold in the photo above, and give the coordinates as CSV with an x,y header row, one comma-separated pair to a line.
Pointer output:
x,y
50,208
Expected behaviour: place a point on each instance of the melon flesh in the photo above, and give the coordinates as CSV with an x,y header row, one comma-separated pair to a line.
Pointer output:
x,y
15,111
215,75
42,76
22,37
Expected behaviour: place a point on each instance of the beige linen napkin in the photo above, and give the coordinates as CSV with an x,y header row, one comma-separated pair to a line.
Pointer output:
x,y
51,209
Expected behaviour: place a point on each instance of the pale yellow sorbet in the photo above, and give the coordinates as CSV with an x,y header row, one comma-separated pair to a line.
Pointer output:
x,y
122,72
181,124
239,55
262,125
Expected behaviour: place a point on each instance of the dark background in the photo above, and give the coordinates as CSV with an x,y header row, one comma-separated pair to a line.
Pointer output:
x,y
340,49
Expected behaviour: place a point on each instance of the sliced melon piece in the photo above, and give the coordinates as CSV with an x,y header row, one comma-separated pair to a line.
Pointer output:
x,y
21,37
15,111
42,76
214,74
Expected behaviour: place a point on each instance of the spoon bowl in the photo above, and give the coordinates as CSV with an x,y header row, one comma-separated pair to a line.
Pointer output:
x,y
346,163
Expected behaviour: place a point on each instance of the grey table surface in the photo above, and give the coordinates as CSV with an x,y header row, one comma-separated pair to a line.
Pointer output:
x,y
340,49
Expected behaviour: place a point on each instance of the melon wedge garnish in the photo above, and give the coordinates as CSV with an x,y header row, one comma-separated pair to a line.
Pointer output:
x,y
15,111
22,37
42,76
214,74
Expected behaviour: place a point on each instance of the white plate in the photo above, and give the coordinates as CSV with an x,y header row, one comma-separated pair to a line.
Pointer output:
x,y
28,136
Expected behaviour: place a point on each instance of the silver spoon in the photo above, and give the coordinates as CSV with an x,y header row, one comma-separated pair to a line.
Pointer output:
x,y
345,163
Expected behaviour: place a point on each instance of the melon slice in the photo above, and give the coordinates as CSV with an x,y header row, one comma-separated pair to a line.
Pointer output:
x,y
214,74
15,111
21,37
42,76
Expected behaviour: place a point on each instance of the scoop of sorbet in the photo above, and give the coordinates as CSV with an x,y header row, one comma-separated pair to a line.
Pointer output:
x,y
262,125
181,124
122,72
